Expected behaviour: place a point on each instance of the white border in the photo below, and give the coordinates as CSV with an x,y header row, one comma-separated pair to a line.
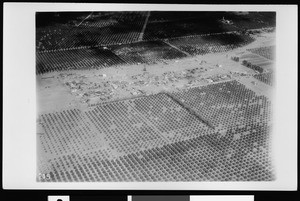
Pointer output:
x,y
222,198
213,197
19,100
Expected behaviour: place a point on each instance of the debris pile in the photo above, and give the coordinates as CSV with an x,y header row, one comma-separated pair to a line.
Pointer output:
x,y
103,88
217,78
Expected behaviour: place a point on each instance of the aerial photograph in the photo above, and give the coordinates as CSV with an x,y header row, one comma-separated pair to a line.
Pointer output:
x,y
154,96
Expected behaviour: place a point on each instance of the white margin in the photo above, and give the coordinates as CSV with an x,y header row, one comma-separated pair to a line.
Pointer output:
x,y
19,98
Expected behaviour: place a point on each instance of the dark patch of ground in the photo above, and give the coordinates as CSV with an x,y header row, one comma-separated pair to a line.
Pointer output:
x,y
76,59
146,52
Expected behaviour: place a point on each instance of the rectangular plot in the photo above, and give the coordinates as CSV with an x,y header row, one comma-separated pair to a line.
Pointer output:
x,y
226,104
68,132
104,36
146,52
77,167
266,78
254,59
124,128
75,60
171,119
200,45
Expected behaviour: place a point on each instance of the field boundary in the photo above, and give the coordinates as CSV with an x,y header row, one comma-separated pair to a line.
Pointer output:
x,y
162,39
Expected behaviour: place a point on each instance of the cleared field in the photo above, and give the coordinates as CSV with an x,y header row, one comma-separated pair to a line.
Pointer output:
x,y
149,52
76,59
201,45
267,52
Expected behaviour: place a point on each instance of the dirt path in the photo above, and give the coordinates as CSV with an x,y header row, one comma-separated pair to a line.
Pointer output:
x,y
144,27
84,19
187,54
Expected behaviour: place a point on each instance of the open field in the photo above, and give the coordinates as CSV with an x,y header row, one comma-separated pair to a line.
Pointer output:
x,y
155,96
